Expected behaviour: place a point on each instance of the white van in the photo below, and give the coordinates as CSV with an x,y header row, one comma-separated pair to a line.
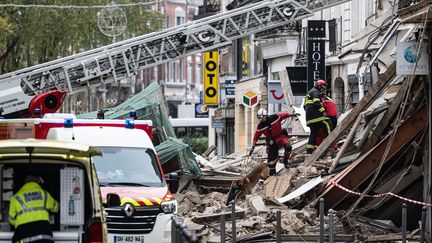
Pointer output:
x,y
130,168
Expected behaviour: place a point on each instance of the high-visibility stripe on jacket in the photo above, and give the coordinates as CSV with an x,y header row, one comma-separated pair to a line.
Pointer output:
x,y
36,238
329,106
30,204
313,107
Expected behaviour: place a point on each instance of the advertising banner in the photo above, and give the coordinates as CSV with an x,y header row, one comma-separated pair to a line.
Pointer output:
x,y
230,87
211,76
407,57
299,82
275,92
201,111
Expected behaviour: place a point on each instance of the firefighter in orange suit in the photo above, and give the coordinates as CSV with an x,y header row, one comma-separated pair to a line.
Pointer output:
x,y
29,212
271,127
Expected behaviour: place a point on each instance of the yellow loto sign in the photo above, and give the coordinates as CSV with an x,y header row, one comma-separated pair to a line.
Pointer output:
x,y
211,77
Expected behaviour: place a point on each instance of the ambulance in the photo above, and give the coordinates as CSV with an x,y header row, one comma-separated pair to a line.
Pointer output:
x,y
65,171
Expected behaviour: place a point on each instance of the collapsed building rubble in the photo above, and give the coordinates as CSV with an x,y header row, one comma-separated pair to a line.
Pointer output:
x,y
364,133
205,181
385,148
381,165
202,203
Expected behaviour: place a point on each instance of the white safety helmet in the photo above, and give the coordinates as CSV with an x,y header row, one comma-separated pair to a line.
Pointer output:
x,y
262,112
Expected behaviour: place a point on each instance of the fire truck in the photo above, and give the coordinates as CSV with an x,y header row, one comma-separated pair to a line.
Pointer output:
x,y
44,86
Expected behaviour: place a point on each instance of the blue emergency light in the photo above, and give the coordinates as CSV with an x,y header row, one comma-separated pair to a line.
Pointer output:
x,y
68,122
37,111
133,114
129,123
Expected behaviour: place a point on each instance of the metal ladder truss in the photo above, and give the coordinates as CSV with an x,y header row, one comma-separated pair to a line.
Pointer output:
x,y
120,60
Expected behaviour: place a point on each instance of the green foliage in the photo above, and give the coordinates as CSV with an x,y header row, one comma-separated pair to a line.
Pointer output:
x,y
196,143
30,36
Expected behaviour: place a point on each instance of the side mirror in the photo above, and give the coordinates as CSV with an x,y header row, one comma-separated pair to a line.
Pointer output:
x,y
173,182
113,200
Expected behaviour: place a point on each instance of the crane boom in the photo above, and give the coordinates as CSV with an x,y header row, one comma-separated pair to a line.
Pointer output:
x,y
120,60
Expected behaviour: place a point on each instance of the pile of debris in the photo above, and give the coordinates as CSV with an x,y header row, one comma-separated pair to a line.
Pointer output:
x,y
380,165
203,202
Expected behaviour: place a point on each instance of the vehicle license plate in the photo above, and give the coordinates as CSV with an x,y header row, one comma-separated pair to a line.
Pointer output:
x,y
128,238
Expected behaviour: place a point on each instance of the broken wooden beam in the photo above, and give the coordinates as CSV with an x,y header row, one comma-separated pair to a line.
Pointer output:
x,y
348,140
391,238
389,227
208,151
405,179
316,237
365,166
214,181
216,217
387,118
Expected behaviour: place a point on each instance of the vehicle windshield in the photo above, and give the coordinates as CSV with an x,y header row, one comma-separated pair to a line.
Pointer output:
x,y
128,167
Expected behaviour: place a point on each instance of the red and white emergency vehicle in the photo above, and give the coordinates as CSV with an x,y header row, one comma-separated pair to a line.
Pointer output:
x,y
129,167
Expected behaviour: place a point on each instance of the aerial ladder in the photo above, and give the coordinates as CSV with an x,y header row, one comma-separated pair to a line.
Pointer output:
x,y
44,86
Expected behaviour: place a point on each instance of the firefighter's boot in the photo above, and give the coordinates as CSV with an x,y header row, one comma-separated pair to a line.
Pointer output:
x,y
287,156
272,168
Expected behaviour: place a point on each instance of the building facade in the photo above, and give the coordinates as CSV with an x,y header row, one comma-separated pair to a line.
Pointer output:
x,y
288,48
180,79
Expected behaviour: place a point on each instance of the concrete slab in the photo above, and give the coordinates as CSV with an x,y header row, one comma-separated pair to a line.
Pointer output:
x,y
257,204
301,190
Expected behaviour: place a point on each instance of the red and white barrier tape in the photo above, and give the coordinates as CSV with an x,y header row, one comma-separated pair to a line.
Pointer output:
x,y
381,195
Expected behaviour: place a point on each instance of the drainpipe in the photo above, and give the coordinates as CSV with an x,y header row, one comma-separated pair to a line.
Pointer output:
x,y
429,157
239,59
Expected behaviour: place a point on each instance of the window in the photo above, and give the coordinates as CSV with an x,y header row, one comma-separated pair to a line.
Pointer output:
x,y
367,81
179,20
275,75
353,88
174,71
168,22
128,166
180,16
189,72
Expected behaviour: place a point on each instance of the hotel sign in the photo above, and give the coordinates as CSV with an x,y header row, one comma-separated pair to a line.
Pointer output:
x,y
316,50
316,60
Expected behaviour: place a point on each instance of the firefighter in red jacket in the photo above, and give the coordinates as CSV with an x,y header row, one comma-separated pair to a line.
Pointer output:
x,y
271,127
331,110
316,117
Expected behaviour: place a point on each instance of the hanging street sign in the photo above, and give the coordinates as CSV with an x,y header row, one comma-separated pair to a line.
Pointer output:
x,y
275,92
250,99
211,76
